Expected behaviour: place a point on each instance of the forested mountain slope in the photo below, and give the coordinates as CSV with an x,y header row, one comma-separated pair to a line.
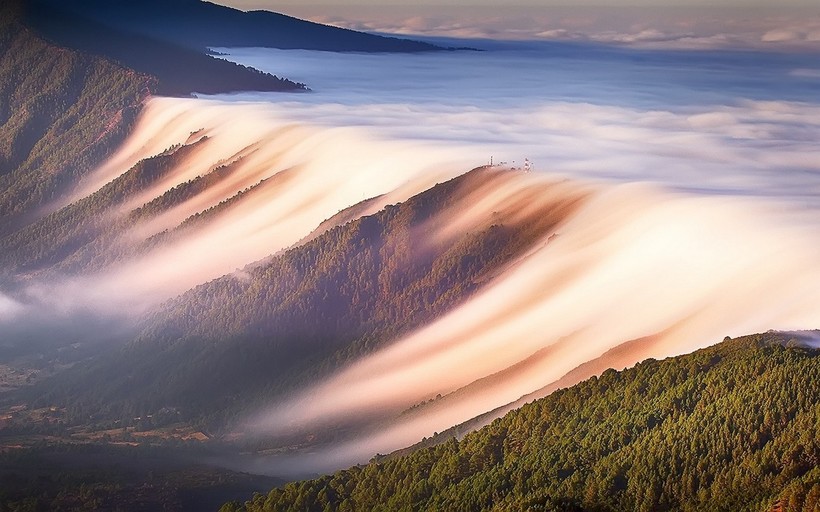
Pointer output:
x,y
82,236
69,101
732,427
62,113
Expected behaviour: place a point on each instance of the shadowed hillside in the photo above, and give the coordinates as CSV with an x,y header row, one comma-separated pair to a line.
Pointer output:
x,y
180,70
198,24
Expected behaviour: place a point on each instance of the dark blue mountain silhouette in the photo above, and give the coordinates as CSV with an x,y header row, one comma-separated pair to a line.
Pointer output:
x,y
199,24
179,70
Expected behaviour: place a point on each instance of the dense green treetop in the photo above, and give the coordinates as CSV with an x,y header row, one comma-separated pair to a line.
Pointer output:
x,y
729,428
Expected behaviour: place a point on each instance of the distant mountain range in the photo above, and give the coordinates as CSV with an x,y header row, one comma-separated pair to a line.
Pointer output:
x,y
170,39
200,24
179,70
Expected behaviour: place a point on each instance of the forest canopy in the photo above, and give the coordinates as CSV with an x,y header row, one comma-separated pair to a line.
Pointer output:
x,y
732,427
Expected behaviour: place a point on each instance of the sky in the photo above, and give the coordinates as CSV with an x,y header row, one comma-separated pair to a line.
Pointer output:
x,y
692,24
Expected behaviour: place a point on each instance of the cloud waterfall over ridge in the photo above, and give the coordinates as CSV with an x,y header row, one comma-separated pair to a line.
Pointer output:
x,y
661,274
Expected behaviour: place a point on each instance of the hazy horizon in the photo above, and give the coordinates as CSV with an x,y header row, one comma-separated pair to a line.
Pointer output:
x,y
790,26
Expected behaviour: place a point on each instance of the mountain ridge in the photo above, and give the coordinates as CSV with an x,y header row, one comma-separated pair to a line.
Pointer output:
x,y
389,294
46,149
180,70
204,24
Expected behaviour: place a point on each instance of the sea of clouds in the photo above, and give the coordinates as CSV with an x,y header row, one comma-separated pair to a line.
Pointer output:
x,y
717,122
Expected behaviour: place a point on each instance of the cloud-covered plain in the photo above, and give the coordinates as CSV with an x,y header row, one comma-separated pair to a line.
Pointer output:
x,y
735,124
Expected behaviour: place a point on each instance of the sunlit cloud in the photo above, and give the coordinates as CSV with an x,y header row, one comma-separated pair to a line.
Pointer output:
x,y
292,177
664,272
634,263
